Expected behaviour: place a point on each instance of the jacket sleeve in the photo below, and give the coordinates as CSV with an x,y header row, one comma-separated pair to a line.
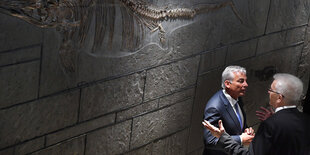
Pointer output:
x,y
212,115
232,147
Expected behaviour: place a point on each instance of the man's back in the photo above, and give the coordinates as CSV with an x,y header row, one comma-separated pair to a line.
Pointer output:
x,y
286,132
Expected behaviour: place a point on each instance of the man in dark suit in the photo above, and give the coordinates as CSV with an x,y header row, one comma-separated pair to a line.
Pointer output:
x,y
286,132
226,105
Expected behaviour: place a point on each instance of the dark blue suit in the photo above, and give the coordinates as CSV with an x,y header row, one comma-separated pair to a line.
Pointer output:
x,y
219,108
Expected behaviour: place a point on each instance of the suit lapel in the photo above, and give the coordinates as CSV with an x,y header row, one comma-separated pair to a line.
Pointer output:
x,y
230,110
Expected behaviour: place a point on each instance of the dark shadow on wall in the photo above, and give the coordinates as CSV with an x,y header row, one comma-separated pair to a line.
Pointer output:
x,y
306,102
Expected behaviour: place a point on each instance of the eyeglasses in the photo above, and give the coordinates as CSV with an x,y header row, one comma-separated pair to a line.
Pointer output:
x,y
270,90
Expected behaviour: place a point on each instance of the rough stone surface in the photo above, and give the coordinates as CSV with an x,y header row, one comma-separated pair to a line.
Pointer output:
x,y
137,110
111,140
73,146
54,78
133,103
16,33
207,85
304,64
21,55
104,67
154,125
19,83
30,146
34,119
175,144
79,129
198,151
169,78
176,97
280,40
7,151
111,95
286,14
141,151
222,26
284,60
212,59
241,51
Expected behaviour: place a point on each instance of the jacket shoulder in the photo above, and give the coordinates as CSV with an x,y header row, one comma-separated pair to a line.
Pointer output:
x,y
216,101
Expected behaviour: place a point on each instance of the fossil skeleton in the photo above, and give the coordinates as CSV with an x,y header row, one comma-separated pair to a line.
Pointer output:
x,y
75,19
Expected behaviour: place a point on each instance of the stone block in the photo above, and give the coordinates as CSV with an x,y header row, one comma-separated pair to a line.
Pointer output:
x,y
111,140
304,64
213,28
280,40
208,84
286,14
37,118
20,55
103,67
198,151
295,35
111,95
141,151
241,51
176,97
54,78
73,146
79,129
30,146
137,110
174,144
16,33
19,83
213,59
155,125
172,77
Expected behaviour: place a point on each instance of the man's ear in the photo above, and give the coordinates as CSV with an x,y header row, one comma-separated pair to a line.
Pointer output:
x,y
281,97
227,83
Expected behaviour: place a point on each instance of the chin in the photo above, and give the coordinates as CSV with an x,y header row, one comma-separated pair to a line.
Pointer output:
x,y
241,94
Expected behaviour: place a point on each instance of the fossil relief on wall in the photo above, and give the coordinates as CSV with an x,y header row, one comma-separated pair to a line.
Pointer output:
x,y
111,28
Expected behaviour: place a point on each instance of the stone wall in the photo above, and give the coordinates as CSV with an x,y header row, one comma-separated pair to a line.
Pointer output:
x,y
150,102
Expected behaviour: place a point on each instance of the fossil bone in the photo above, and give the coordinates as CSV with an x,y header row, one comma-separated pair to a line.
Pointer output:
x,y
74,18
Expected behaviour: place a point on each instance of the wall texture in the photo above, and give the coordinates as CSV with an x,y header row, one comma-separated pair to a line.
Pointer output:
x,y
149,102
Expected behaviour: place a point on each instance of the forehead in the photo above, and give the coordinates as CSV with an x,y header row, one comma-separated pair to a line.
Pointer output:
x,y
239,75
273,84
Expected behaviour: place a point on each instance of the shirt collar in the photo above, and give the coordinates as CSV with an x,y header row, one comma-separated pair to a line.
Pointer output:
x,y
285,107
231,100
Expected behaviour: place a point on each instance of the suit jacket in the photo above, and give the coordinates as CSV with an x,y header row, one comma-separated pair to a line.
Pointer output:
x,y
287,132
219,108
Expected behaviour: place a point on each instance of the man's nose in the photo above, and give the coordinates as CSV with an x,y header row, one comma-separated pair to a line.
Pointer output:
x,y
245,84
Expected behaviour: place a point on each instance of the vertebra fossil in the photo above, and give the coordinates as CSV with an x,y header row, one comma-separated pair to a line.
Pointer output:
x,y
76,19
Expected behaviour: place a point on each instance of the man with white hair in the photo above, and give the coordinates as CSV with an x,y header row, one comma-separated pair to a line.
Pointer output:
x,y
226,105
286,132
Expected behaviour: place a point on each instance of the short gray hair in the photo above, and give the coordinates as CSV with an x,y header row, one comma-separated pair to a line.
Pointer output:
x,y
290,86
228,73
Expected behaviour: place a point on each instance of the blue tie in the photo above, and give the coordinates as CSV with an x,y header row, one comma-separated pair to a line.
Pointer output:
x,y
238,115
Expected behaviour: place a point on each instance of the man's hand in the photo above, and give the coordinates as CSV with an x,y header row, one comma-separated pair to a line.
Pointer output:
x,y
216,132
264,113
249,131
246,139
